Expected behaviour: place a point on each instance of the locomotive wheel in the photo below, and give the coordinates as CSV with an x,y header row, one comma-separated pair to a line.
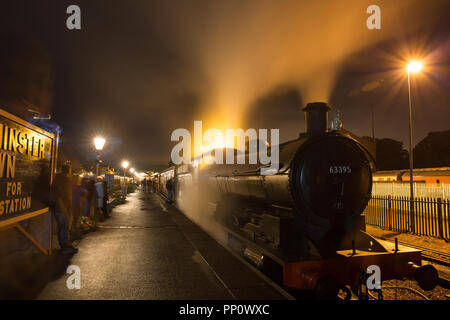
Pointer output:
x,y
427,277
327,288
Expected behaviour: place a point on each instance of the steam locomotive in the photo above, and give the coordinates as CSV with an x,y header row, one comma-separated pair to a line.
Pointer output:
x,y
304,225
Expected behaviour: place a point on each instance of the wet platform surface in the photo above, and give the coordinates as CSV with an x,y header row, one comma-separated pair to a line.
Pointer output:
x,y
148,250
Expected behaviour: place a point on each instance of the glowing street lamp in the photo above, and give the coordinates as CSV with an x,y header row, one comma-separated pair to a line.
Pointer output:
x,y
132,172
99,143
125,165
413,67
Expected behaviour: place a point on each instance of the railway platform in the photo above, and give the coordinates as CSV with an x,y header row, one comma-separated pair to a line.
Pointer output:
x,y
149,250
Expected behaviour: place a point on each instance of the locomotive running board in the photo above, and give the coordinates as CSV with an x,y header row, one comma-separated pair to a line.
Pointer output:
x,y
291,272
346,267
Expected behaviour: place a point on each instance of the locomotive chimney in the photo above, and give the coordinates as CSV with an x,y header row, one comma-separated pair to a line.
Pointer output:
x,y
316,116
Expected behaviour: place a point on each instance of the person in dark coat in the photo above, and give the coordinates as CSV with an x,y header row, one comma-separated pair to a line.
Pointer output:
x,y
99,198
144,185
88,185
79,195
61,202
105,200
169,187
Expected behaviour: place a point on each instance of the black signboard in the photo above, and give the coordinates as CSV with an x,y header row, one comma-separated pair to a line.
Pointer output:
x,y
26,169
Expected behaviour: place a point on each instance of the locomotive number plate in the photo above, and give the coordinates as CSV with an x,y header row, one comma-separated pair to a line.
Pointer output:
x,y
340,169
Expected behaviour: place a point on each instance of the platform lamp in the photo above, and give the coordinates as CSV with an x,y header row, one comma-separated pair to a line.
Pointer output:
x,y
412,68
125,165
99,143
132,170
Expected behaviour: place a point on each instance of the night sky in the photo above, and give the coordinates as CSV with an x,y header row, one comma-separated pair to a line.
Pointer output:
x,y
137,70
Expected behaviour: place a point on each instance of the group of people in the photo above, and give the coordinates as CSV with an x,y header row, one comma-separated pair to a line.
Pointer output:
x,y
73,197
148,185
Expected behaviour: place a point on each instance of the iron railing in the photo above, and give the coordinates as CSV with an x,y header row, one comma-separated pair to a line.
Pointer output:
x,y
402,189
430,216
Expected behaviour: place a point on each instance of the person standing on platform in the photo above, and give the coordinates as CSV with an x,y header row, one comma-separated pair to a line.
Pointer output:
x,y
123,187
84,185
169,187
105,200
150,184
79,195
88,185
99,194
61,203
144,185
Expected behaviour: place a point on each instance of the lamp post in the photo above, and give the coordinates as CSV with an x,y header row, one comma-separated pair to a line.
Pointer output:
x,y
125,165
413,67
99,143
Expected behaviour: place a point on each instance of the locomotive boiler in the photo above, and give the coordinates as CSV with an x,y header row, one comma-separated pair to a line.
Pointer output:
x,y
305,222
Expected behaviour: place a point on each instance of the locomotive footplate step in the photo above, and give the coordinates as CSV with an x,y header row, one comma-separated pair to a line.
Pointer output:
x,y
163,256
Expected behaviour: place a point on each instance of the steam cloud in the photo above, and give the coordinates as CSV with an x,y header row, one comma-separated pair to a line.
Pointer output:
x,y
198,209
247,48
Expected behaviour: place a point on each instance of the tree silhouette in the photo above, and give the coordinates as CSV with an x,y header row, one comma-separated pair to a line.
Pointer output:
x,y
391,155
433,151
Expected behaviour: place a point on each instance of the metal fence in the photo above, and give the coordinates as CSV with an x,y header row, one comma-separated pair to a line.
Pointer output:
x,y
430,216
402,189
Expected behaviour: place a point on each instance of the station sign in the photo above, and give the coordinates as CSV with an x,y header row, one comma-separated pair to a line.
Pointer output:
x,y
27,160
